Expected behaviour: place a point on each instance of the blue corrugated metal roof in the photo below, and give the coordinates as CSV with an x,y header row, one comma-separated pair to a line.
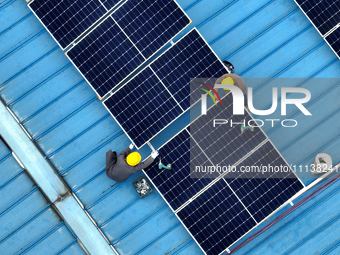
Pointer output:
x,y
28,222
67,121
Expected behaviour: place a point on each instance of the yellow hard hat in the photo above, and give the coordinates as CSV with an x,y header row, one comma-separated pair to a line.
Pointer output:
x,y
228,81
133,158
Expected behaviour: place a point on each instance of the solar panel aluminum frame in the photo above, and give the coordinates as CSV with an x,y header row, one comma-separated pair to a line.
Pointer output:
x,y
222,177
323,35
328,34
145,60
148,66
88,29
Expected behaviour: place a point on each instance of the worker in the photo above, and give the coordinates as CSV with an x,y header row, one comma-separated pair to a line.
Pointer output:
x,y
233,79
121,168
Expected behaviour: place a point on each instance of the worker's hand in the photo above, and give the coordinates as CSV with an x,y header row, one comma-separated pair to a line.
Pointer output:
x,y
154,154
131,146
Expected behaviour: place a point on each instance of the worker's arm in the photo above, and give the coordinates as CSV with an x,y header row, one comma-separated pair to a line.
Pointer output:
x,y
144,164
125,152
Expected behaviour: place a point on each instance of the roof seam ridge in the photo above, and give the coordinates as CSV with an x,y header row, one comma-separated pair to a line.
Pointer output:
x,y
15,23
300,57
28,118
289,65
192,5
316,151
111,190
68,116
304,82
216,14
66,247
240,22
21,45
26,222
101,145
331,248
270,53
96,201
43,236
118,212
296,218
159,237
260,33
19,200
313,234
14,101
142,222
6,4
12,178
8,155
182,247
52,153
77,188
29,66
296,112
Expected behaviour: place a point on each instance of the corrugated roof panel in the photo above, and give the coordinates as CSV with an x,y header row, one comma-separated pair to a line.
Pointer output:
x,y
28,222
62,113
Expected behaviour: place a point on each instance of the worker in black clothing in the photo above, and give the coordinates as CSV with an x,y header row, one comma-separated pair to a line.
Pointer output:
x,y
121,168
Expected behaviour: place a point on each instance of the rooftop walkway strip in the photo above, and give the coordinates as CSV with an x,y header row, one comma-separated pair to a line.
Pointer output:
x,y
52,185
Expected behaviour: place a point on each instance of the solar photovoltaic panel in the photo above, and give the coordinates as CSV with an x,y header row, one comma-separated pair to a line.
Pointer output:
x,y
334,41
67,20
324,14
143,107
223,144
190,59
227,204
105,57
216,218
264,192
150,24
125,40
177,186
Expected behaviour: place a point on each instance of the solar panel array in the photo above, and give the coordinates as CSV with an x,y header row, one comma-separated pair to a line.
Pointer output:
x,y
161,92
219,208
325,16
67,20
125,40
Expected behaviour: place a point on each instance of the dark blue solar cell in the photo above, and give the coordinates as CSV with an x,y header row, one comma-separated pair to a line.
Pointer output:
x,y
143,107
189,58
324,14
177,186
67,20
263,192
216,218
151,24
334,41
224,144
109,4
105,57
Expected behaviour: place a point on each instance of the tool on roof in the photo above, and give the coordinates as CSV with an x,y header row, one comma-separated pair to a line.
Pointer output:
x,y
167,167
244,128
